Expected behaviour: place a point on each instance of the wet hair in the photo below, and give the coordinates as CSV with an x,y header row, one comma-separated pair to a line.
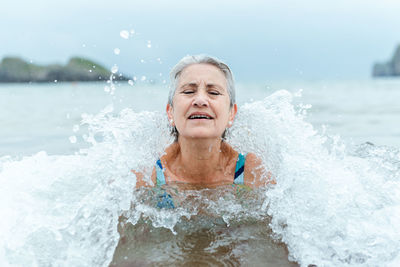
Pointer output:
x,y
200,59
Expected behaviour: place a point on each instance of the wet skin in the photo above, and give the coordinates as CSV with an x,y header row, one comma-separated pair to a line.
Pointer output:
x,y
201,112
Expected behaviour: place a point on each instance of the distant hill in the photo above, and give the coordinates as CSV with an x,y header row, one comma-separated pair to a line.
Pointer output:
x,y
14,70
390,68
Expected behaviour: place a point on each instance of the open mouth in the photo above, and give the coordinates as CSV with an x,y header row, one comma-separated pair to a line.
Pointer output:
x,y
200,117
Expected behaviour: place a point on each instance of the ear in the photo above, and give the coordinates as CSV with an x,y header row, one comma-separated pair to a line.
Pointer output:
x,y
232,115
170,113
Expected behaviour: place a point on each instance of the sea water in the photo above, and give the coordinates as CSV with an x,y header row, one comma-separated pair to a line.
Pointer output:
x,y
39,117
68,198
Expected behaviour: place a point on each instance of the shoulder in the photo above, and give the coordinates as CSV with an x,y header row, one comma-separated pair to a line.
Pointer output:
x,y
141,180
255,174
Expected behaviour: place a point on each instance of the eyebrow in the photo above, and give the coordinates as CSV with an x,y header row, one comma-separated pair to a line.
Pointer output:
x,y
191,84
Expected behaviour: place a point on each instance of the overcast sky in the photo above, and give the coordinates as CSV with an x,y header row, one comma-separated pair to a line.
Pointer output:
x,y
260,40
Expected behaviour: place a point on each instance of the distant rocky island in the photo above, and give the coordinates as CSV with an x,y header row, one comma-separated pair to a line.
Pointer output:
x,y
390,68
17,70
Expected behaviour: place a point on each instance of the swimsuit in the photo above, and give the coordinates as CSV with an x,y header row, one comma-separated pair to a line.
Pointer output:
x,y
165,200
239,171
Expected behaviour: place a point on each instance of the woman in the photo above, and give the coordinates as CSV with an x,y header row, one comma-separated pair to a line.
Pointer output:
x,y
201,107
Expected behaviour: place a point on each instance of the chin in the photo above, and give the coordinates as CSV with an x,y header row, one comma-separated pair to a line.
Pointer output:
x,y
202,135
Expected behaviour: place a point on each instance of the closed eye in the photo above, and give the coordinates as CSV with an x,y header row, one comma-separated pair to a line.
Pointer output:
x,y
214,93
188,92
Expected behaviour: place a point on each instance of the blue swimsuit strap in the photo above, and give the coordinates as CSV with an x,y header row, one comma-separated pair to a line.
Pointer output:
x,y
160,173
239,171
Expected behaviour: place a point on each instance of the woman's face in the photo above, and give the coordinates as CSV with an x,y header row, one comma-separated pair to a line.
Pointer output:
x,y
201,104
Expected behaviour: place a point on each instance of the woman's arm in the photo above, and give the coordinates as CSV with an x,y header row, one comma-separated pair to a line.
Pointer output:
x,y
140,181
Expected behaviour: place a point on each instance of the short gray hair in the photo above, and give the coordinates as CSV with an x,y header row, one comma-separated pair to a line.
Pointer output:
x,y
201,59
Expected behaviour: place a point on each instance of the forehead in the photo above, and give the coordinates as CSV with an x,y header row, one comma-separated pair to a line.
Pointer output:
x,y
197,73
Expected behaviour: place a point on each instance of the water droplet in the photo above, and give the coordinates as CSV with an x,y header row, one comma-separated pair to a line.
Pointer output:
x,y
149,44
132,31
298,93
83,45
117,51
130,82
142,61
135,78
124,34
143,78
160,74
112,90
75,128
68,116
107,89
72,139
114,69
55,81
90,70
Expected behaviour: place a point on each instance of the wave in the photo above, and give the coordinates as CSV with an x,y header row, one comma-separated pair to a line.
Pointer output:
x,y
332,205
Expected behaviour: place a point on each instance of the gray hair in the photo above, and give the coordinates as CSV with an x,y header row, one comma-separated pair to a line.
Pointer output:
x,y
201,59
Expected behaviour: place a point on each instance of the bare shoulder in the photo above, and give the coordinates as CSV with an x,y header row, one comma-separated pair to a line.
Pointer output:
x,y
141,181
255,174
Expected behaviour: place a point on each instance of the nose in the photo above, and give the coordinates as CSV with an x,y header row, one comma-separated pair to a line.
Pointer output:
x,y
200,99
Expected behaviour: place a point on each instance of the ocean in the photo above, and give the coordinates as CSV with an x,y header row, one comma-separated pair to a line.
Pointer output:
x,y
38,117
67,194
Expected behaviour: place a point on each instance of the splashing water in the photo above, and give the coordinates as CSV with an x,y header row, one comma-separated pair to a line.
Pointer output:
x,y
331,205
117,51
124,34
114,69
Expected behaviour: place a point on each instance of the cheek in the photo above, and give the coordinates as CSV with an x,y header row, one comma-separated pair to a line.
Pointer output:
x,y
178,112
227,111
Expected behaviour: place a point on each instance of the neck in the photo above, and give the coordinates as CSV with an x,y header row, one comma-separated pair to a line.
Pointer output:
x,y
200,159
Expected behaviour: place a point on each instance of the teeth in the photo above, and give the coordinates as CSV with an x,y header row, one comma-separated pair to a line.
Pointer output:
x,y
199,117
